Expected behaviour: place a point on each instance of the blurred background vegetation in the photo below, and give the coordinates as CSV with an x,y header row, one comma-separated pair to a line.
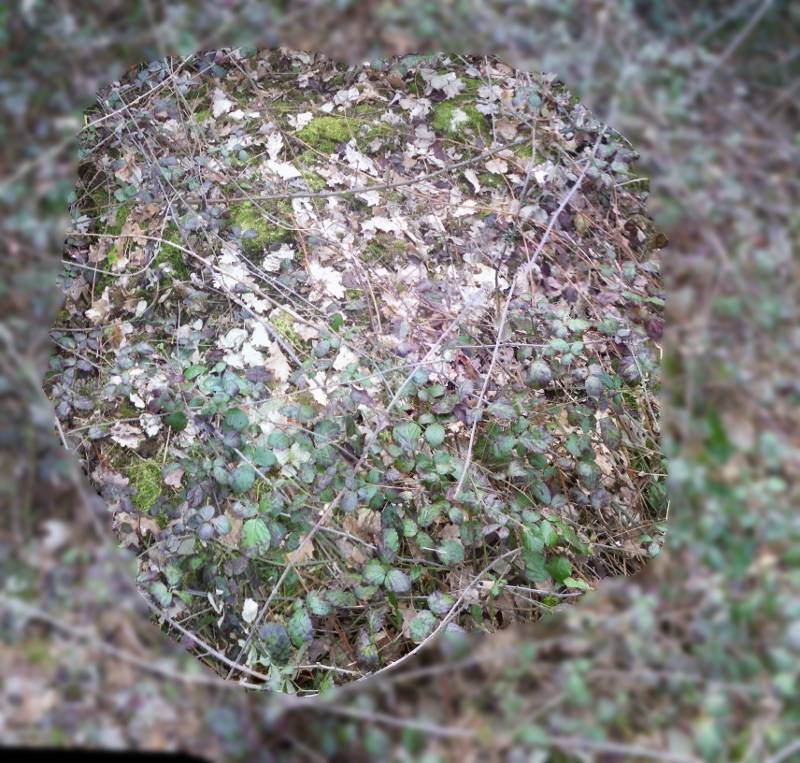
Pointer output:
x,y
695,659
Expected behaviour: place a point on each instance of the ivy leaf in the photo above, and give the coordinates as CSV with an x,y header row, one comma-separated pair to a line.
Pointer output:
x,y
451,552
255,537
434,435
423,624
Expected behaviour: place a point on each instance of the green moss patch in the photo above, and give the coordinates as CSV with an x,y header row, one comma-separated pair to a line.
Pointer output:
x,y
145,480
444,123
172,256
325,133
247,216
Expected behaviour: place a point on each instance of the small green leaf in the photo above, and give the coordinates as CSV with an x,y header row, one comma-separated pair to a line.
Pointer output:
x,y
571,582
263,458
434,435
221,524
317,605
535,567
243,478
277,641
391,543
176,421
440,603
549,535
161,594
278,440
255,537
397,581
406,435
559,567
300,628
423,624
236,419
374,572
594,386
173,574
451,552
578,324
193,372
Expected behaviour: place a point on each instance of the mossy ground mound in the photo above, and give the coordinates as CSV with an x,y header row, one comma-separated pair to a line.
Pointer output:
x,y
359,356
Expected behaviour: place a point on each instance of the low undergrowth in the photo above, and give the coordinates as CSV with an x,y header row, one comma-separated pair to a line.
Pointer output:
x,y
372,366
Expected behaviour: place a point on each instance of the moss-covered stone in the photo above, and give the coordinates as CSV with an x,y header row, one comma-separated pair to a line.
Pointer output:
x,y
145,480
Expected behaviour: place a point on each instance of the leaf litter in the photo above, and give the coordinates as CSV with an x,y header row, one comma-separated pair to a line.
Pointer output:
x,y
359,356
